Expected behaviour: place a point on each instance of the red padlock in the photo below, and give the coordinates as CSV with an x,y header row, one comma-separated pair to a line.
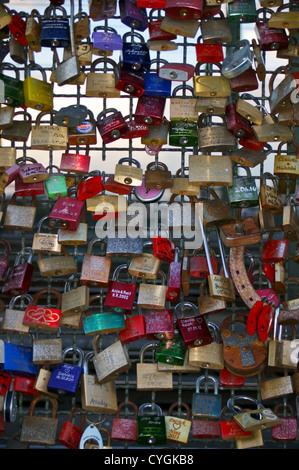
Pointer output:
x,y
135,129
111,125
4,260
198,265
188,9
174,279
120,295
274,251
66,213
159,324
90,187
286,430
114,187
5,382
156,33
153,4
125,429
75,163
252,143
25,385
163,249
270,39
17,27
208,53
230,429
8,176
205,429
129,81
134,330
29,189
71,434
19,276
150,110
246,81
194,329
237,124
230,380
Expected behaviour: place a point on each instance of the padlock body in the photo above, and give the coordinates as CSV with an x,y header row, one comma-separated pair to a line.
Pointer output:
x,y
112,127
190,9
18,360
65,379
103,323
206,405
75,163
151,430
18,280
195,331
150,110
13,91
70,435
120,295
172,351
183,134
38,94
134,329
159,325
56,186
174,282
55,32
135,57
274,251
24,385
66,213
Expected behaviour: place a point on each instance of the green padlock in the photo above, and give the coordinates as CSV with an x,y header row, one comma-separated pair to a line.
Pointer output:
x,y
13,86
171,351
183,133
56,185
151,430
242,11
103,322
243,192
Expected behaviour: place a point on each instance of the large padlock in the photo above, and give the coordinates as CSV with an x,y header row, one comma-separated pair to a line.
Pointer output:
x,y
120,295
215,137
43,317
210,86
102,322
13,86
46,426
38,93
102,84
206,405
19,277
95,269
152,295
148,377
125,429
111,361
111,125
151,429
45,242
271,131
96,397
193,328
55,29
285,19
65,377
238,61
211,170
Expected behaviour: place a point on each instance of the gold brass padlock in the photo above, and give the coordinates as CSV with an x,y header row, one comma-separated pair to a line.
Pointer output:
x,y
45,242
101,84
146,265
148,376
211,170
182,185
57,265
210,86
152,295
128,174
214,137
74,301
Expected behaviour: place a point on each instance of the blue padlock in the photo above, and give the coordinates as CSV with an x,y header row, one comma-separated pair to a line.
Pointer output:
x,y
154,85
65,377
132,15
135,55
107,39
206,405
18,360
55,30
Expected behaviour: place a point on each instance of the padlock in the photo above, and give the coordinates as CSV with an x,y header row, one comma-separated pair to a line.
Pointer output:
x,y
13,317
95,269
19,277
286,431
91,185
177,427
156,84
18,360
185,10
84,133
7,154
210,86
74,301
132,15
176,71
271,198
125,429
209,356
96,397
111,361
74,237
75,162
220,287
174,278
152,295
147,375
243,192
17,51
216,212
183,108
208,53
106,205
242,232
128,174
159,40
183,134
186,28
31,172
208,305
65,377
239,126
102,84
216,30
134,328
120,295
10,406
129,81
218,171
249,157
47,426
157,176
55,29
17,27
37,93
71,434
111,126
256,438
45,318
205,428
238,61
270,131
151,429
159,324
242,11
48,137
269,38
194,329
260,418
150,110
286,165
144,194
157,134
5,257
229,380
103,322
171,351
135,55
290,51
102,12
19,130
198,266
33,30
66,213
56,185
182,185
280,95
230,430
5,15
146,265
24,385
285,19
70,116
106,40
214,137
206,405
248,111
45,242
13,86
277,387
47,350
30,190
56,265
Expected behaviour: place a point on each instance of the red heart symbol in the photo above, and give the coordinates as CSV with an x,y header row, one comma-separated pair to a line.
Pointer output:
x,y
269,270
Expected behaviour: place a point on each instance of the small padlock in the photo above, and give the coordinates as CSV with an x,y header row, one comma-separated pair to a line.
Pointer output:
x,y
128,174
159,324
134,330
209,356
45,242
252,420
120,295
152,295
74,301
102,84
171,351
238,61
177,427
19,277
111,361
125,429
271,198
185,10
210,86
286,431
95,269
135,55
129,81
13,317
194,329
150,110
47,350
208,53
38,93
33,31
206,405
18,360
111,127
56,185
45,318
20,129
243,11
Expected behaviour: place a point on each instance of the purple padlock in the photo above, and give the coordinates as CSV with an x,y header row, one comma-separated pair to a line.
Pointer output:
x,y
145,194
133,16
107,39
65,377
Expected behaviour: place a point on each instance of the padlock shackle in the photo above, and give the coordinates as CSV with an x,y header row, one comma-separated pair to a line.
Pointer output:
x,y
182,404
207,378
126,404
14,299
74,350
147,346
206,247
223,260
149,405
231,406
182,87
129,160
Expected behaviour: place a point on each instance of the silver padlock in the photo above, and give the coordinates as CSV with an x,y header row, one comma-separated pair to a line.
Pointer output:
x,y
238,61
